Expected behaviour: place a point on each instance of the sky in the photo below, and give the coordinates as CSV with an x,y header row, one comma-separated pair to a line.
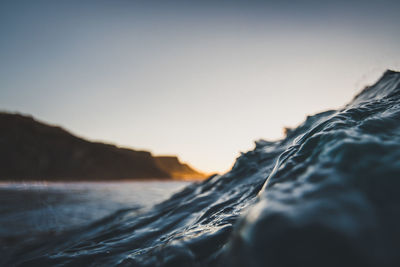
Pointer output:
x,y
199,79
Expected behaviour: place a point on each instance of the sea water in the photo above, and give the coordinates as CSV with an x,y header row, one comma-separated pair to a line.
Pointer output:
x,y
325,195
32,208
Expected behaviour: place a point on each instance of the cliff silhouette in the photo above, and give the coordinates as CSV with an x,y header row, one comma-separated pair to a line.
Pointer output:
x,y
32,150
177,169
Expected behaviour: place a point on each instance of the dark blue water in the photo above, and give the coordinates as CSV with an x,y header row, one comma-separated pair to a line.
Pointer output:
x,y
326,195
33,208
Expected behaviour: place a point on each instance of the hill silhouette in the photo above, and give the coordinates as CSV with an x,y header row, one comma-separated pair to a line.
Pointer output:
x,y
32,150
177,169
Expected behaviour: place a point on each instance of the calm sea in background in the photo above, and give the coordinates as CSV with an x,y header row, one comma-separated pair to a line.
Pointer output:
x,y
28,208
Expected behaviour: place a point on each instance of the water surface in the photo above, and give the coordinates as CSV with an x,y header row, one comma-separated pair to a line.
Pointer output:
x,y
29,208
325,195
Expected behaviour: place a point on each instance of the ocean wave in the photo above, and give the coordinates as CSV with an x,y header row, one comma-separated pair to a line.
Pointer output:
x,y
326,195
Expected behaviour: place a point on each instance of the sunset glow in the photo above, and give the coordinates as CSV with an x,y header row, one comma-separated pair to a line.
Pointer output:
x,y
198,81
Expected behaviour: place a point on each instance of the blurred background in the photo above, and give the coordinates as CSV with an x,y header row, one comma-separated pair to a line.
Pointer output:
x,y
197,79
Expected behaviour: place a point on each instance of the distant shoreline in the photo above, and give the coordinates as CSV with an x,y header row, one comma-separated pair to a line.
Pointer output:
x,y
98,181
35,151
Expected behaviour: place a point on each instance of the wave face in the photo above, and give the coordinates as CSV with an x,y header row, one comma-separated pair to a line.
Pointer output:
x,y
326,195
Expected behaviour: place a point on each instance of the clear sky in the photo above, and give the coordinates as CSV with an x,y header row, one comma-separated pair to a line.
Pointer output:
x,y
201,80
